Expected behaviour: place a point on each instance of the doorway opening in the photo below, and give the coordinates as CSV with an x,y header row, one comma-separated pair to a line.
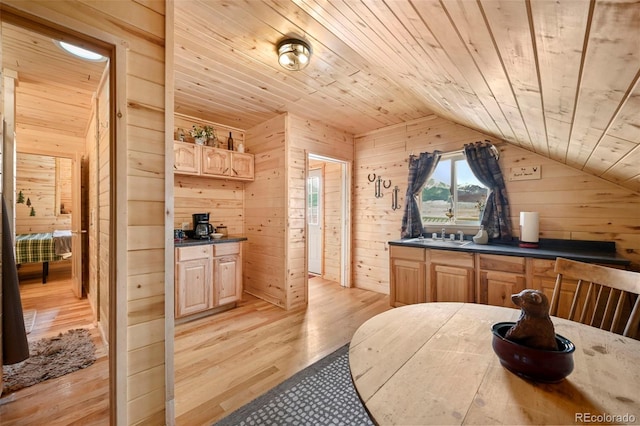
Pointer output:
x,y
58,154
328,219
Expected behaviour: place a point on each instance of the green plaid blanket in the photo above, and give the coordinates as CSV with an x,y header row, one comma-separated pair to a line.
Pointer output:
x,y
35,248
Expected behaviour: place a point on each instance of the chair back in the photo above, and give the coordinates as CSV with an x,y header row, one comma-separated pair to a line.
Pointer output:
x,y
611,296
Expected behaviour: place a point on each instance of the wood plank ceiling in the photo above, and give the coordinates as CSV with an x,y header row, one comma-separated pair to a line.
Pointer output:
x,y
54,89
559,78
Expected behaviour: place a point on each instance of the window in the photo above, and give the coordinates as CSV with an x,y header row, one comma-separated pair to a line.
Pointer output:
x,y
313,187
453,194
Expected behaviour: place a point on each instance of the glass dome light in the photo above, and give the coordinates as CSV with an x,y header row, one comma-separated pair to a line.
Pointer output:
x,y
294,54
80,52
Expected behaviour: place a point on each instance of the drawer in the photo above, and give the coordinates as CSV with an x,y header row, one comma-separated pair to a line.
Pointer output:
x,y
502,263
408,253
452,258
195,252
224,249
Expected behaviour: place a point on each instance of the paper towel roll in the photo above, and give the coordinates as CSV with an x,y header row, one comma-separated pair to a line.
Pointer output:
x,y
529,227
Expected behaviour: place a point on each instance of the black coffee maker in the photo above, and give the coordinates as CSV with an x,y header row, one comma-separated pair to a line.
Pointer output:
x,y
201,226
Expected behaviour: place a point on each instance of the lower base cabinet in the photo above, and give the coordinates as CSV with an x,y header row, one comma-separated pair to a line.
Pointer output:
x,y
408,276
419,275
451,276
206,277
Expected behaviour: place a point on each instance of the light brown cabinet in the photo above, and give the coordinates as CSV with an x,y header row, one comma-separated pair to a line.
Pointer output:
x,y
499,277
207,276
408,275
186,158
227,273
419,275
199,160
451,277
193,278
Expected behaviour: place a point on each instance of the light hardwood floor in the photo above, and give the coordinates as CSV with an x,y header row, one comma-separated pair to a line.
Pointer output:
x,y
221,362
224,361
81,397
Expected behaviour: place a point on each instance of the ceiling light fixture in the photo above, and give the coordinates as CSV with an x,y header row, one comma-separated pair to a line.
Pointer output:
x,y
80,52
294,54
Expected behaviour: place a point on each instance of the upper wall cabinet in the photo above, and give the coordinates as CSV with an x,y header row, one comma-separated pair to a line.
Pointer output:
x,y
192,159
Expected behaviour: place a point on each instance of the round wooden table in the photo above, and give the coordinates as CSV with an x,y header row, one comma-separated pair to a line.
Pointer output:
x,y
433,363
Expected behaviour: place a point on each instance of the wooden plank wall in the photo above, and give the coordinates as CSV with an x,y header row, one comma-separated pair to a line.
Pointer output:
x,y
305,137
572,204
36,179
332,221
138,28
222,199
264,271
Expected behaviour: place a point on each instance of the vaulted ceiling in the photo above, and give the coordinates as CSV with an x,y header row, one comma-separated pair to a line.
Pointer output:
x,y
559,78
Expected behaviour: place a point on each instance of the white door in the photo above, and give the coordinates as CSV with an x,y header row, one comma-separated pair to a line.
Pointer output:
x,y
314,220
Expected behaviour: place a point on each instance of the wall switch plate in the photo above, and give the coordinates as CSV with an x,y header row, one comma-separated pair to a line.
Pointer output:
x,y
524,173
185,226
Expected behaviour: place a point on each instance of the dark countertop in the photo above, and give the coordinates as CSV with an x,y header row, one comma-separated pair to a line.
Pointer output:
x,y
583,251
195,242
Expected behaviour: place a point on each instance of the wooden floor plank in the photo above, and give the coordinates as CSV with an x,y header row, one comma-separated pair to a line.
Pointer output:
x,y
221,362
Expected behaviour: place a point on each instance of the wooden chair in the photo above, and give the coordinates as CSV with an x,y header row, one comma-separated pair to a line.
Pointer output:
x,y
612,295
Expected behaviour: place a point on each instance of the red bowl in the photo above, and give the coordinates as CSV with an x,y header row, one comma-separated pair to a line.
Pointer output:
x,y
539,365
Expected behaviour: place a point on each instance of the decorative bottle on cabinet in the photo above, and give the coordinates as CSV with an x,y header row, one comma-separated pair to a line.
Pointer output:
x,y
230,142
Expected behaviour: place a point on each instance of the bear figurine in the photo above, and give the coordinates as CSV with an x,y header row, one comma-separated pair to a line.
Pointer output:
x,y
534,328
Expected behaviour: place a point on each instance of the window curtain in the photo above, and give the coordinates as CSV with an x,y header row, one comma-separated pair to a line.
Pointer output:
x,y
420,168
483,162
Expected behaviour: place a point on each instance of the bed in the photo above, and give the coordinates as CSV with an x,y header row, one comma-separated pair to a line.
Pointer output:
x,y
43,247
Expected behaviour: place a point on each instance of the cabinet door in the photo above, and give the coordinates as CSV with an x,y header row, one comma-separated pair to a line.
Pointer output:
x,y
408,282
499,278
193,286
215,162
451,277
227,279
408,275
242,166
496,287
186,158
451,284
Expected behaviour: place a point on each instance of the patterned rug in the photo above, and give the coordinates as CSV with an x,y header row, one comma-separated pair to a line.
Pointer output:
x,y
321,394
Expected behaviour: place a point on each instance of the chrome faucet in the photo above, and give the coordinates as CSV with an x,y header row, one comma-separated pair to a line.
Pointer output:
x,y
444,234
461,235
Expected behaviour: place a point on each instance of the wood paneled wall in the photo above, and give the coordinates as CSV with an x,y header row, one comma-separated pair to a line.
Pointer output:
x,y
36,179
137,30
572,204
266,204
305,137
275,204
222,199
333,223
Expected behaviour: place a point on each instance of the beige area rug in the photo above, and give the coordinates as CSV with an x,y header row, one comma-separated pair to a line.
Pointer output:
x,y
29,319
50,358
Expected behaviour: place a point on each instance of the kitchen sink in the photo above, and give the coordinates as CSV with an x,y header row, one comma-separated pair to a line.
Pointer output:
x,y
437,242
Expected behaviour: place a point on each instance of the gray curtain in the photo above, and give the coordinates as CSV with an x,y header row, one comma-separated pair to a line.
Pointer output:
x,y
420,168
483,161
